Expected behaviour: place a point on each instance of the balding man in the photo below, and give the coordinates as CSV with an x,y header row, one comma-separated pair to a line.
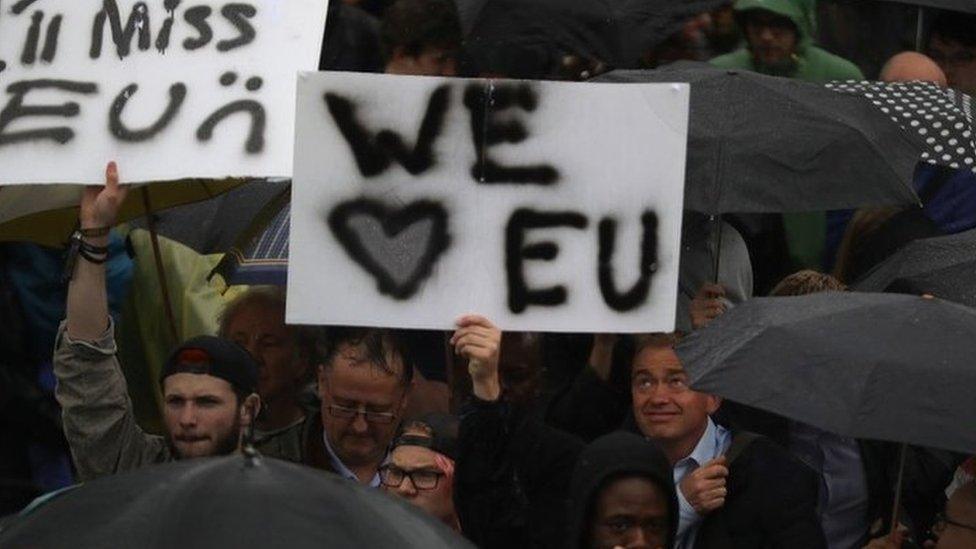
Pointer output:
x,y
909,65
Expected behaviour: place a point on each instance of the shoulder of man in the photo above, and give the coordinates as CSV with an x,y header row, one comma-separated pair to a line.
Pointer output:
x,y
738,59
825,66
757,460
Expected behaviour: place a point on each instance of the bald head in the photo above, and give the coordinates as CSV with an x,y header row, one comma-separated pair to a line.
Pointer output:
x,y
909,65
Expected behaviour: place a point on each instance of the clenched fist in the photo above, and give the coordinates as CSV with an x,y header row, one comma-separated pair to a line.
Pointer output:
x,y
704,488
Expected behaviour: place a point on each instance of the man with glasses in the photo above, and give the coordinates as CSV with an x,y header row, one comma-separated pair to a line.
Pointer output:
x,y
364,381
421,466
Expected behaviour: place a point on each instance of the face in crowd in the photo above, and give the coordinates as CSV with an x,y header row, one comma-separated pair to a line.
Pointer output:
x,y
666,410
362,402
203,415
956,527
956,60
772,39
259,327
418,475
630,512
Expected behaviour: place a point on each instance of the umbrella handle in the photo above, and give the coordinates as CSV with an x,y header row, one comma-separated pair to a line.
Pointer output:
x,y
717,230
898,486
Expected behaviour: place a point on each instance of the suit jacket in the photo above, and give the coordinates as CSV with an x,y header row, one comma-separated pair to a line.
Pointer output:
x,y
771,502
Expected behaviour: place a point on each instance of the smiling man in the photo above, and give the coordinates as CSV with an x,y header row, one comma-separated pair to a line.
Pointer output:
x,y
208,383
734,489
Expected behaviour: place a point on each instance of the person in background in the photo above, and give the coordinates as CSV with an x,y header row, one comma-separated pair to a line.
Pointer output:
x,y
909,66
422,465
952,44
209,384
622,496
955,528
255,320
421,37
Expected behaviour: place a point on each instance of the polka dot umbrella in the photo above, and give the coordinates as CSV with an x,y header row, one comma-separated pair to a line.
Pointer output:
x,y
943,118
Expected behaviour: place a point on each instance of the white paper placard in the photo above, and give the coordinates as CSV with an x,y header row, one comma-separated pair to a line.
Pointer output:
x,y
417,200
170,89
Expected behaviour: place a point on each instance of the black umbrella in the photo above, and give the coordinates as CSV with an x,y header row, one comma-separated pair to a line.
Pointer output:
x,y
530,38
214,225
942,118
956,283
967,6
921,258
235,501
760,143
871,366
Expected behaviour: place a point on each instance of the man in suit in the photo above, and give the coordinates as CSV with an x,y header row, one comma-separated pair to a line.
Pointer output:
x,y
735,489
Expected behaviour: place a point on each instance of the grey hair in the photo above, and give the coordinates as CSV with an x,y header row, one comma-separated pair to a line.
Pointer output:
x,y
273,296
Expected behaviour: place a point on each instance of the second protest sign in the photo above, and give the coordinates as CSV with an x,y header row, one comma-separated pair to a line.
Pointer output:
x,y
544,206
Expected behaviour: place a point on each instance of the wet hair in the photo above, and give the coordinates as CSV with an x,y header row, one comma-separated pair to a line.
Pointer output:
x,y
379,344
269,296
415,25
807,282
955,27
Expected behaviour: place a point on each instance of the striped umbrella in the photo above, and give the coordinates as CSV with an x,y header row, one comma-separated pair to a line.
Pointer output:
x,y
260,255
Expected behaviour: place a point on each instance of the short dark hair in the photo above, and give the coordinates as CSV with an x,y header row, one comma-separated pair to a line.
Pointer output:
x,y
379,343
807,282
957,27
415,25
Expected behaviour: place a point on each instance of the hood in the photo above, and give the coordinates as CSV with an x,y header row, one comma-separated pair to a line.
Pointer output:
x,y
610,456
803,13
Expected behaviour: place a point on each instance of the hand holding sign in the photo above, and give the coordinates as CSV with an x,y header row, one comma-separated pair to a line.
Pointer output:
x,y
479,341
100,205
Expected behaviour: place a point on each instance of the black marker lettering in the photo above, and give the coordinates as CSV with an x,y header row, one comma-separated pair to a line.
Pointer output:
x,y
648,264
373,154
255,139
51,39
485,102
197,18
238,15
138,22
162,39
29,55
520,296
177,93
15,110
393,222
20,6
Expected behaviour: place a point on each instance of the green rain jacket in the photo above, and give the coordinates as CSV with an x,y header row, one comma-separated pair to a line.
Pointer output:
x,y
806,232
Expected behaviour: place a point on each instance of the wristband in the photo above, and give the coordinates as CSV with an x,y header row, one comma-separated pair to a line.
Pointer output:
x,y
95,231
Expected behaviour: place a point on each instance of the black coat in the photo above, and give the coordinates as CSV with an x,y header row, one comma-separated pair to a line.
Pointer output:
x,y
512,479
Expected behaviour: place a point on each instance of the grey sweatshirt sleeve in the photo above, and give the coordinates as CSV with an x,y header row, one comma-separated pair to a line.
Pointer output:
x,y
96,411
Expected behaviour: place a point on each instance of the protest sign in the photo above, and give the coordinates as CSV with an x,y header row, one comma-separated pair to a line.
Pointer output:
x,y
169,88
545,206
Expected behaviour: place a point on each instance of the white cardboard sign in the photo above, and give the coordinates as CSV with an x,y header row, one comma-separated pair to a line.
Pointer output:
x,y
170,89
545,206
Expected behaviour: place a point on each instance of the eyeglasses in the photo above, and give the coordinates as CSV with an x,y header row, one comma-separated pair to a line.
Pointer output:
x,y
422,479
942,522
379,418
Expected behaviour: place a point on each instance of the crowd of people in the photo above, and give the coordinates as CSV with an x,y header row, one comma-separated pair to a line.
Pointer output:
x,y
547,440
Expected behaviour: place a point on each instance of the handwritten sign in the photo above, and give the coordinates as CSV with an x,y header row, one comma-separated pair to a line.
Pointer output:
x,y
545,206
169,88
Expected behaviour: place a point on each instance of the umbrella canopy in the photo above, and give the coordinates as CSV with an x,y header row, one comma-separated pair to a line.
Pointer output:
x,y
942,118
213,226
967,6
529,38
234,501
956,283
47,214
260,255
921,257
870,366
760,143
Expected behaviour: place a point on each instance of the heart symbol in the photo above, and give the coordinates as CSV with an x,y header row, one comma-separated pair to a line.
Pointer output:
x,y
398,246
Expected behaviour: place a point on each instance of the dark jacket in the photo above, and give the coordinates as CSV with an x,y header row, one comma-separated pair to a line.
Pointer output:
x,y
511,485
610,457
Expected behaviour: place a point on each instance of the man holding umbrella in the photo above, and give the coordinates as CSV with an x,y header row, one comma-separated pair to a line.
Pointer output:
x,y
209,384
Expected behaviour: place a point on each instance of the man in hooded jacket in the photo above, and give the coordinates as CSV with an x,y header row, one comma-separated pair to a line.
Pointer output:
x,y
622,495
779,42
